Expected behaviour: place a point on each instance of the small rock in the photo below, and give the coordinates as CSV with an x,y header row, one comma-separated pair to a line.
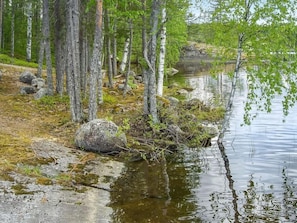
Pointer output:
x,y
173,101
122,86
182,92
27,90
38,83
171,71
173,85
41,93
174,129
132,74
139,78
211,130
27,77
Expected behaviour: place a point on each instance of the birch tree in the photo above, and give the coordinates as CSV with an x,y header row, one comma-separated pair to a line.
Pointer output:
x,y
129,56
161,68
125,56
96,63
29,31
265,33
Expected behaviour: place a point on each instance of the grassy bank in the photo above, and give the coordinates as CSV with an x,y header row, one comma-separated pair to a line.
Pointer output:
x,y
23,120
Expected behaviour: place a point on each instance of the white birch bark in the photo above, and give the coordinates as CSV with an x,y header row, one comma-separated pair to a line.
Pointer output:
x,y
29,31
129,56
232,92
41,49
161,69
125,56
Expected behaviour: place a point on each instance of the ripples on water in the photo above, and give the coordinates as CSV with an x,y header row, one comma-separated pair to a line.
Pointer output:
x,y
193,187
263,163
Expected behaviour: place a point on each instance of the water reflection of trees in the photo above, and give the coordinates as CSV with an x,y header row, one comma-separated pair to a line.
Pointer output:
x,y
267,206
154,192
261,203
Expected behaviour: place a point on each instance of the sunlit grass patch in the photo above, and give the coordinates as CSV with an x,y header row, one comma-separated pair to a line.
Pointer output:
x,y
55,103
11,60
29,170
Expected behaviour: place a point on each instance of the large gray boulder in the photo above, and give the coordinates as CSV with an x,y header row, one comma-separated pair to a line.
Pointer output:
x,y
27,77
100,136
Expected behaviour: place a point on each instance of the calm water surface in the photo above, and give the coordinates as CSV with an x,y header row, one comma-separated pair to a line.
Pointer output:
x,y
261,166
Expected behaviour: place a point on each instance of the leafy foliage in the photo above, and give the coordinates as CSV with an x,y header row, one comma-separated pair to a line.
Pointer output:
x,y
269,46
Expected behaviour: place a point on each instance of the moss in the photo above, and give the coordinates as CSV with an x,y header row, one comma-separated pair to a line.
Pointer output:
x,y
86,179
44,181
6,177
64,179
20,189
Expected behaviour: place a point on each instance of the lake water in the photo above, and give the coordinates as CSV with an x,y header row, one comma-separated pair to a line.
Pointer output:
x,y
253,180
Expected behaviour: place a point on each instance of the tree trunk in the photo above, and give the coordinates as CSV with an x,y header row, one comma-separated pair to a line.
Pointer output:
x,y
114,53
83,64
108,48
59,53
29,32
12,29
144,52
73,59
233,89
150,57
161,69
125,57
1,21
40,58
47,47
95,73
129,55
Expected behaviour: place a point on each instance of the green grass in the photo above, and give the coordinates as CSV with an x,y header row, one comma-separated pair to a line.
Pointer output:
x,y
10,60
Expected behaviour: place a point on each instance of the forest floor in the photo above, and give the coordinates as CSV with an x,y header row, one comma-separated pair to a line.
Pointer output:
x,y
42,177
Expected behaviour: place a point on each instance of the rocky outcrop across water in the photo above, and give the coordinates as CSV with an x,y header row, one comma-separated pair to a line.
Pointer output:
x,y
194,59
